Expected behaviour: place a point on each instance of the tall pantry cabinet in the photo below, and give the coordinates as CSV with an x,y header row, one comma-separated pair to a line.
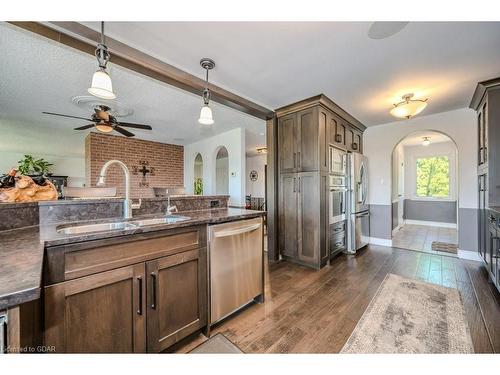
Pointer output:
x,y
486,102
306,130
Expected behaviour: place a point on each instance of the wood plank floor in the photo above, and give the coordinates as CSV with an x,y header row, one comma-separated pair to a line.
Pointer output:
x,y
309,311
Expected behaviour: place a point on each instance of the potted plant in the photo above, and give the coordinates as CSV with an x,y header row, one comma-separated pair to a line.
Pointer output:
x,y
37,169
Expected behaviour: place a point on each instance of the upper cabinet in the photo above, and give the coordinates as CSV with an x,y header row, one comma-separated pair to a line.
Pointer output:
x,y
307,128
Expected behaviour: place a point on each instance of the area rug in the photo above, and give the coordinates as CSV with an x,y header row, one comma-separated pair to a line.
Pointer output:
x,y
445,247
217,344
410,316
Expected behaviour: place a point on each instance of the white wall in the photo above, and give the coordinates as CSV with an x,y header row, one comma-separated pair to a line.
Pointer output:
x,y
234,141
257,188
397,172
63,148
222,176
412,153
459,125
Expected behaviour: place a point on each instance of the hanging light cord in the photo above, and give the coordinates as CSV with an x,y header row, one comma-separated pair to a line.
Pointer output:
x,y
101,51
206,92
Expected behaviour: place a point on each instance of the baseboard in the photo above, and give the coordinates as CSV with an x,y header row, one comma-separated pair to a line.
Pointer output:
x,y
380,241
431,223
468,254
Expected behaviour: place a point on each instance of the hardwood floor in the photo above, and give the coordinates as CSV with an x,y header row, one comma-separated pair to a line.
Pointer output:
x,y
309,311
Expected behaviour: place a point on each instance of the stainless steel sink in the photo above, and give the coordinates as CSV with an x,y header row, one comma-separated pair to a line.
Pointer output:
x,y
80,229
160,220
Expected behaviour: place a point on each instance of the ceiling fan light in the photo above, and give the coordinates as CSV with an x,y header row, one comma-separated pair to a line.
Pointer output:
x,y
206,115
426,141
104,128
101,85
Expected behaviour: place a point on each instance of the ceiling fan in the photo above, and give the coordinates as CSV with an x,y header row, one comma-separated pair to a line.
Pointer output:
x,y
104,122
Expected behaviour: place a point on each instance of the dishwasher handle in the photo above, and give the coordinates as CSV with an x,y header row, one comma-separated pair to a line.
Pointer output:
x,y
234,232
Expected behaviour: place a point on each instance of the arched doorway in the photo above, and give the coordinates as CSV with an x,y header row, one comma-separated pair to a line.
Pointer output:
x,y
198,174
222,171
424,193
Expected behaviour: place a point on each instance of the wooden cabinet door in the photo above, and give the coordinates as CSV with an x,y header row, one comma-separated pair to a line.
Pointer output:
x,y
288,215
349,140
482,222
101,313
309,218
337,131
323,138
307,140
287,143
358,141
177,298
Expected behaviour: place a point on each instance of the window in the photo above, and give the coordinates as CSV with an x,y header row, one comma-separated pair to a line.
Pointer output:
x,y
433,177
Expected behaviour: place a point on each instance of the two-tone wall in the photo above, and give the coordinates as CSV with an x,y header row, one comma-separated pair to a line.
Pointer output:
x,y
379,142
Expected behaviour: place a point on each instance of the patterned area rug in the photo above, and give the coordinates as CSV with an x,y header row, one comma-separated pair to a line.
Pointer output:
x,y
410,316
444,246
217,344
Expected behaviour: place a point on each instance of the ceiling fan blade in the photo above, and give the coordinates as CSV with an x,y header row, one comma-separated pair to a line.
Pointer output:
x,y
59,114
85,127
136,126
123,131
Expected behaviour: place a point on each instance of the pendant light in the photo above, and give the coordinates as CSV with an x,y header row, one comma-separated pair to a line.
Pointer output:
x,y
101,81
206,112
408,107
426,141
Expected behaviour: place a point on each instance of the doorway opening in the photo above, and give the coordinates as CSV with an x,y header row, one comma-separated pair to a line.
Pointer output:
x,y
424,193
198,174
222,172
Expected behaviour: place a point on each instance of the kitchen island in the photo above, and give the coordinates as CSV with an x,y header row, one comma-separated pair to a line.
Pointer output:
x,y
149,282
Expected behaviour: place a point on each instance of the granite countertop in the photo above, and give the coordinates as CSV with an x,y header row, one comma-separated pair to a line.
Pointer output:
x,y
495,208
22,249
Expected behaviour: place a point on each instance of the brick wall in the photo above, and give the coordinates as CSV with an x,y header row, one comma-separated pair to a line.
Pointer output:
x,y
166,159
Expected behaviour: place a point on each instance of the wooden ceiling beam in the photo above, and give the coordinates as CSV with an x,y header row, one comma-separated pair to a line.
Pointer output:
x,y
85,39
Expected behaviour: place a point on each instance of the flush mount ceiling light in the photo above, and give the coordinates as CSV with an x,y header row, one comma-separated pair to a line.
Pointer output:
x,y
408,107
426,141
261,150
382,30
101,82
206,112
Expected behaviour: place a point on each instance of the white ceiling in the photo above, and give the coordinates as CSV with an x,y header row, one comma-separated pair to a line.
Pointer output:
x,y
37,74
415,139
277,63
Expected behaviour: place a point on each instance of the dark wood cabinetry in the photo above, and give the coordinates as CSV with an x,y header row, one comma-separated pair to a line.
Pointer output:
x,y
305,132
137,293
486,101
176,296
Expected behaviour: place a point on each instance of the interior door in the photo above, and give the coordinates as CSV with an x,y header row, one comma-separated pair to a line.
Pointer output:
x,y
101,313
177,298
287,139
309,218
288,215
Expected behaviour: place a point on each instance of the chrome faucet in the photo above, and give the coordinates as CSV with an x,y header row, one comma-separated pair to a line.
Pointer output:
x,y
170,208
127,204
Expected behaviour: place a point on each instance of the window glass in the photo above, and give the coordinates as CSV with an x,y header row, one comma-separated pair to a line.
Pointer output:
x,y
433,177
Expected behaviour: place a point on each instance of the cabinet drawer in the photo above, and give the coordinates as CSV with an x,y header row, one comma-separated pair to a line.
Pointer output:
x,y
73,261
337,227
337,243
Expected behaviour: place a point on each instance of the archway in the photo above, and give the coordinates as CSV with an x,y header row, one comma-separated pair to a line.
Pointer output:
x,y
198,174
222,171
424,193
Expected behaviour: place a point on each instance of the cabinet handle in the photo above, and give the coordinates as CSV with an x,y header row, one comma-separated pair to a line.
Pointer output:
x,y
294,188
139,309
338,138
298,159
298,186
354,146
153,290
294,160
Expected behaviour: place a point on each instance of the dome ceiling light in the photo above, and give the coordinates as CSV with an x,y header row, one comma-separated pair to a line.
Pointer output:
x,y
408,107
101,81
426,141
206,112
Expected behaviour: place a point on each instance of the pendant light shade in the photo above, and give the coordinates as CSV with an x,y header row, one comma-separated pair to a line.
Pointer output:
x,y
101,85
408,107
206,115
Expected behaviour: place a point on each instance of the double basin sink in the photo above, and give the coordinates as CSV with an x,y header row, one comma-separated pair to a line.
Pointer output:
x,y
120,225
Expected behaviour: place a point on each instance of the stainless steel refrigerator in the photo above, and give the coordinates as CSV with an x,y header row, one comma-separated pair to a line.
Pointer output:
x,y
359,210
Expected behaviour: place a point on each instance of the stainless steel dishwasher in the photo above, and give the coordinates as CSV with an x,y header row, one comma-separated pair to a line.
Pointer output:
x,y
236,266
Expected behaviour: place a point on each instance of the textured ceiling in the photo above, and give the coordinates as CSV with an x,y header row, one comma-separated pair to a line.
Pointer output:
x,y
277,63
37,74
